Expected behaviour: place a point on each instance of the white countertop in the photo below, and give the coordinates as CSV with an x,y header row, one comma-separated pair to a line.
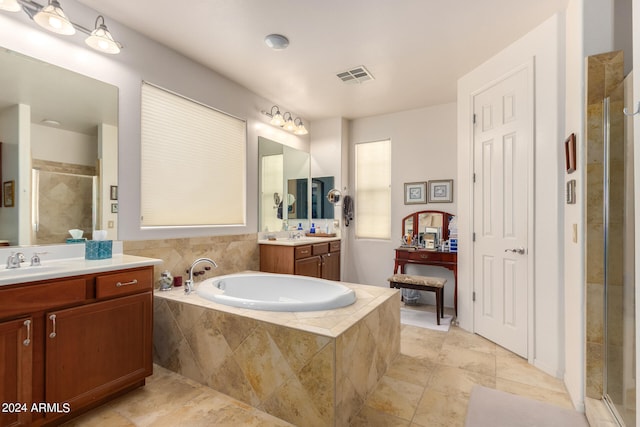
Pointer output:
x,y
285,241
65,261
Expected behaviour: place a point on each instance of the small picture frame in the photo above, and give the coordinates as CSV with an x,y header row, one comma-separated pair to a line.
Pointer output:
x,y
114,192
440,191
8,189
114,208
570,153
415,193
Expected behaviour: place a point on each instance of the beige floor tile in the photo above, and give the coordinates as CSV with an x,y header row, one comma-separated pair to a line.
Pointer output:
x,y
471,360
512,367
439,410
462,339
542,394
421,343
410,369
457,382
369,417
395,397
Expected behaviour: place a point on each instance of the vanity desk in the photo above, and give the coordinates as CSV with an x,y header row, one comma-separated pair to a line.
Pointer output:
x,y
412,255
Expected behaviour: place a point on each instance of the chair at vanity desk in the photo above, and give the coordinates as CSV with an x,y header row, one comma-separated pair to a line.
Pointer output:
x,y
411,255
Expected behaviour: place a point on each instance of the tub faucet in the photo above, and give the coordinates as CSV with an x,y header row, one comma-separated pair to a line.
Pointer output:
x,y
188,286
14,260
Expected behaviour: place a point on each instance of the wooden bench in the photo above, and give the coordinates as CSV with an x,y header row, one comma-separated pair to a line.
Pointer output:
x,y
422,283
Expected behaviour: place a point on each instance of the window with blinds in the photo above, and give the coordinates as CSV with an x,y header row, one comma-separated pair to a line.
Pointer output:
x,y
373,190
193,163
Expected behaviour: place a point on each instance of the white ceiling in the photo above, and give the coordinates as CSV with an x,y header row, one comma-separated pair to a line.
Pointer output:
x,y
416,49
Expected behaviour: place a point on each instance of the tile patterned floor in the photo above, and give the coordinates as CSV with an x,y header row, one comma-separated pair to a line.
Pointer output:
x,y
428,386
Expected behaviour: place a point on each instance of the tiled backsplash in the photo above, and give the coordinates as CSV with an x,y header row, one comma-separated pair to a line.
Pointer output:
x,y
232,253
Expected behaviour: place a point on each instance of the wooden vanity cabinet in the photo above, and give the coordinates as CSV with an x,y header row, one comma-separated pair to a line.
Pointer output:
x,y
83,351
315,260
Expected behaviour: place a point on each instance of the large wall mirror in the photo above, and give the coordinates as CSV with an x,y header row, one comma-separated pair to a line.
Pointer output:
x,y
284,185
59,135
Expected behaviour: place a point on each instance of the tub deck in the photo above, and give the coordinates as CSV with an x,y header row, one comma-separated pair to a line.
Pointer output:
x,y
308,368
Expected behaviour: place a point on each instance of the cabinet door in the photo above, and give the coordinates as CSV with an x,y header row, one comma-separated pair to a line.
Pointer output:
x,y
16,352
97,349
309,267
331,266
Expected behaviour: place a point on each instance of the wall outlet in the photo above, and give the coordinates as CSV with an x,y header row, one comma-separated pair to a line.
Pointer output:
x,y
110,224
575,233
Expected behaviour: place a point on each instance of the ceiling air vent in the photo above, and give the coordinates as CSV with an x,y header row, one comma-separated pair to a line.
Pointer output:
x,y
355,75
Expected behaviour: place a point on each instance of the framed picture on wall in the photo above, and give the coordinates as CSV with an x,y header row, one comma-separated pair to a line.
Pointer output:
x,y
440,191
8,189
415,193
570,153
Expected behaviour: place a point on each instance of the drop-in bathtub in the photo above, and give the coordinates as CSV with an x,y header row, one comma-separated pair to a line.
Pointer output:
x,y
311,368
276,292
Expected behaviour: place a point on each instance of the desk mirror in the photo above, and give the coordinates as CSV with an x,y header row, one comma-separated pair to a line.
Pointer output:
x,y
432,222
59,134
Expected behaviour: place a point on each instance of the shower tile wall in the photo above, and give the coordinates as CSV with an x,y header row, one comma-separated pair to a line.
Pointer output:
x,y
605,77
64,200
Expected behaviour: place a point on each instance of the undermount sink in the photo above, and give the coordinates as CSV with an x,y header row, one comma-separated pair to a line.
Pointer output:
x,y
30,269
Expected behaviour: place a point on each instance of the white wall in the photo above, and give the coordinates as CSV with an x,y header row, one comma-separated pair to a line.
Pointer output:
x,y
423,147
543,45
64,146
141,59
588,32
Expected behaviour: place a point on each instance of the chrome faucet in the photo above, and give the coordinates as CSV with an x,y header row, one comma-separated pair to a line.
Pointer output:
x,y
188,286
15,259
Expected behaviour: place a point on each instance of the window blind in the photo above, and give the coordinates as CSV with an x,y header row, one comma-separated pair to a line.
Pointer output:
x,y
193,163
373,190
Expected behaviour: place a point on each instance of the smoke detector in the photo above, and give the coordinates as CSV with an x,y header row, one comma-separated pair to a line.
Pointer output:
x,y
355,75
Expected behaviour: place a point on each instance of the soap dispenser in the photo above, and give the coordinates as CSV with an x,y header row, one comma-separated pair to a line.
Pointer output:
x,y
313,228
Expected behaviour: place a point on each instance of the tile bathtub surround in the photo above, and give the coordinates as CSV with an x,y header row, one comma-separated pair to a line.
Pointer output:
x,y
309,368
231,253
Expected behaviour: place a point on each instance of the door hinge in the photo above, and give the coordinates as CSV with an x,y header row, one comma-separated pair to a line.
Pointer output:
x,y
474,177
473,236
474,118
473,296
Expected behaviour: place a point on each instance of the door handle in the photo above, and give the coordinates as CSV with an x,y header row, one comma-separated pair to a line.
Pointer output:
x,y
519,250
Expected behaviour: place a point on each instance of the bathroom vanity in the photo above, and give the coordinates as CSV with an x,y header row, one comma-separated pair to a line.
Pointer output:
x,y
311,256
73,335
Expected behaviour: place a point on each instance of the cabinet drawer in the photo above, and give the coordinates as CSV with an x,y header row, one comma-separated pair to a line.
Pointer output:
x,y
124,283
432,256
303,251
32,298
320,248
334,246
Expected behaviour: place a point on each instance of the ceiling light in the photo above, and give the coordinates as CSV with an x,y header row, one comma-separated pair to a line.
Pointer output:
x,y
276,41
52,18
10,5
101,39
286,121
50,122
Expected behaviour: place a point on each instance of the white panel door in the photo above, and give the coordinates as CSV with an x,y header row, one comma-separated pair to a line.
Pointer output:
x,y
502,138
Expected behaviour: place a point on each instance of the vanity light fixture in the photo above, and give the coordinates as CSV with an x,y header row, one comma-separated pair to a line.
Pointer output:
x,y
286,121
276,119
101,39
10,5
51,17
300,129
